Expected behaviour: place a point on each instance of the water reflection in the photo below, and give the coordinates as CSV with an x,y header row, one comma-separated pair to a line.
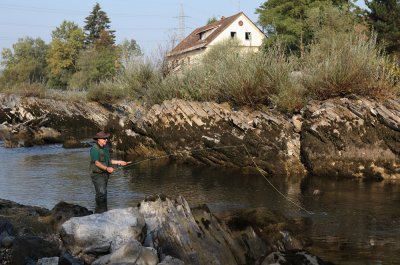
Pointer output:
x,y
354,222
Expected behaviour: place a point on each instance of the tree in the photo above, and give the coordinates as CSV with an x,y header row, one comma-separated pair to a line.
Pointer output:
x,y
26,62
67,42
97,27
384,18
128,50
95,65
287,21
211,20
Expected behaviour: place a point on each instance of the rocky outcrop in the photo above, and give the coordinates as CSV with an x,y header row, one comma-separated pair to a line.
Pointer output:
x,y
32,121
212,134
352,138
357,138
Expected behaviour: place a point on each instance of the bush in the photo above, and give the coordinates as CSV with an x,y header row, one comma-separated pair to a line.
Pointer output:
x,y
226,74
347,65
107,92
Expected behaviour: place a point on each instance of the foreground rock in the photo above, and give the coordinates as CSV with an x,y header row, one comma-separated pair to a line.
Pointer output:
x,y
29,233
159,231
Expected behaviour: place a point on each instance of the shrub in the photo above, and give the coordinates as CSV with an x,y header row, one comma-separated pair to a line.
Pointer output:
x,y
341,66
107,92
226,74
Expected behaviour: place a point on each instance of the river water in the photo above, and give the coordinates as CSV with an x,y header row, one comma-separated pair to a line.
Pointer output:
x,y
352,222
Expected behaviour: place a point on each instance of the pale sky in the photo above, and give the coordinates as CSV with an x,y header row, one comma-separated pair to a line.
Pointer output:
x,y
152,23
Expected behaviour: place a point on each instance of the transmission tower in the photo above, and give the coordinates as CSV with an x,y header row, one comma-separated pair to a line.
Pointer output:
x,y
181,18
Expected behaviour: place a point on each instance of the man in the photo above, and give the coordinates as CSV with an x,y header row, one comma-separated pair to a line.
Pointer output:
x,y
101,166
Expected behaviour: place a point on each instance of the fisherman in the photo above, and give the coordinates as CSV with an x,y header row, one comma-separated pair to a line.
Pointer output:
x,y
101,167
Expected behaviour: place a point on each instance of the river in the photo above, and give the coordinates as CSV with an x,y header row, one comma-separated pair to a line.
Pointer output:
x,y
351,222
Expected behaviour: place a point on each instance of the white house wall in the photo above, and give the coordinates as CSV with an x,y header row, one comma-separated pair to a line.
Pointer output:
x,y
256,35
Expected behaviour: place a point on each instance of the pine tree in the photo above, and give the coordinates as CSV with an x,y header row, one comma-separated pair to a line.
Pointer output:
x,y
384,17
97,27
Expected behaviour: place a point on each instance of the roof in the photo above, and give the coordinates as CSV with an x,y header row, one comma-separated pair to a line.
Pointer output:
x,y
194,42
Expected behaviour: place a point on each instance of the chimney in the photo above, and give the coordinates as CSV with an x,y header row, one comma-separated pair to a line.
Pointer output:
x,y
222,18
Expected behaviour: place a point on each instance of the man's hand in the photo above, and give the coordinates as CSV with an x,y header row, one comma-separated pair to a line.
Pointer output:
x,y
110,170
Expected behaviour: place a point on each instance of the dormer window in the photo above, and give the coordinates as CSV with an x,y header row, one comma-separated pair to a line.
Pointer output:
x,y
201,35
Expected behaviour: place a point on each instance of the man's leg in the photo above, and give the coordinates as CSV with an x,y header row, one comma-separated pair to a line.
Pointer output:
x,y
100,185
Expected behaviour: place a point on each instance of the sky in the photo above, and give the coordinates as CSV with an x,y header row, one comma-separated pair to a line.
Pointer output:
x,y
152,23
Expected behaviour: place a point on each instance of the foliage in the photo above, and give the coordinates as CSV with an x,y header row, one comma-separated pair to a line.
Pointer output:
x,y
384,18
26,63
95,65
64,49
97,28
347,65
211,20
225,74
288,21
129,50
106,92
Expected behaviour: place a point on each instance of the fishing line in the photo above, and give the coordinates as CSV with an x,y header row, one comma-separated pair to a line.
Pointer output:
x,y
223,147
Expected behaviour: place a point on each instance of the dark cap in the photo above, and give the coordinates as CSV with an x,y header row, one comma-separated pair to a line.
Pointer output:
x,y
101,135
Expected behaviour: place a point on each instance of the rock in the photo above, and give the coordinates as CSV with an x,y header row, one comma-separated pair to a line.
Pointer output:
x,y
352,138
168,260
100,233
63,211
198,238
7,241
293,258
48,261
68,259
276,230
212,134
26,248
132,252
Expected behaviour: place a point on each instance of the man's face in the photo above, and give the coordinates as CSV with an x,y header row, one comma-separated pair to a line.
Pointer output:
x,y
102,141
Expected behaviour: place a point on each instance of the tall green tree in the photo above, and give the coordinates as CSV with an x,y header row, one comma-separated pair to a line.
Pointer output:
x,y
384,18
97,28
95,65
67,42
287,21
25,62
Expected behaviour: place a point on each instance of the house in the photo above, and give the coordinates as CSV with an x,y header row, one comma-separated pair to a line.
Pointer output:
x,y
195,45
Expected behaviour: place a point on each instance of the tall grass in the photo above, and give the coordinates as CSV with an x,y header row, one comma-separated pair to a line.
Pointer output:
x,y
228,74
341,66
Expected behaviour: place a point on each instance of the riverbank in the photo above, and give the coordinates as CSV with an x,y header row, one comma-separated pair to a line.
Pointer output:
x,y
354,137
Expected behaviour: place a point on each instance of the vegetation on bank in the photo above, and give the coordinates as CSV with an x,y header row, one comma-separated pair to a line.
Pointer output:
x,y
333,54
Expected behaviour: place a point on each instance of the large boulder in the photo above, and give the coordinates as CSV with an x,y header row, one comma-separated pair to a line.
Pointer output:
x,y
196,237
99,234
352,138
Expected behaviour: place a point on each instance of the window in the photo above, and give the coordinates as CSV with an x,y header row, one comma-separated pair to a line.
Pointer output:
x,y
233,34
247,35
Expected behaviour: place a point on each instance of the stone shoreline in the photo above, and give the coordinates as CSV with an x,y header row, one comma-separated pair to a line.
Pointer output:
x,y
342,138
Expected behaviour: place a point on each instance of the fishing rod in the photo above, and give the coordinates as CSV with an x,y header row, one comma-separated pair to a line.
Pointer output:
x,y
261,171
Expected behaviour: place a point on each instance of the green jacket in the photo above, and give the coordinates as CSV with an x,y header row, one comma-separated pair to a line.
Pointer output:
x,y
99,154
